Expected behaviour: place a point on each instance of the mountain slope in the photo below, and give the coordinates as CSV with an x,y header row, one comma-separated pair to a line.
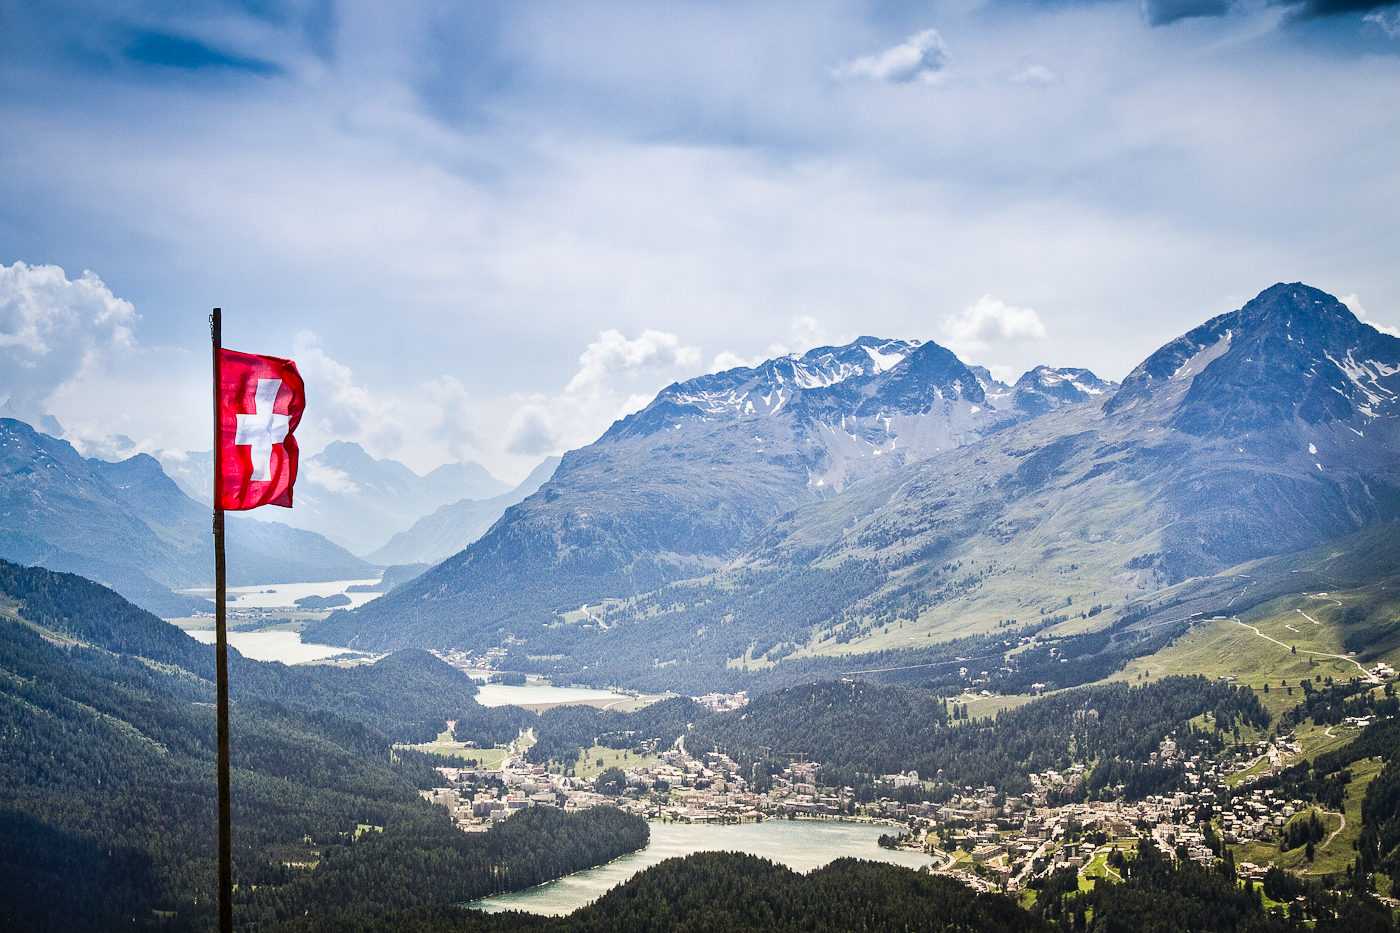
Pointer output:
x,y
1044,389
436,537
680,487
257,551
1267,431
107,777
128,525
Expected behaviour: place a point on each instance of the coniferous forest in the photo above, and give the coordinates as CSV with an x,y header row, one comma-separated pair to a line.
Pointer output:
x,y
107,811
107,776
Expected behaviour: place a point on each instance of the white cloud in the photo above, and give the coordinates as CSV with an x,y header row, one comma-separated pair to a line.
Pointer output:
x,y
1353,304
54,331
456,427
989,322
314,471
727,359
806,332
1387,20
613,354
1004,374
531,431
1031,73
921,57
340,409
421,426
592,400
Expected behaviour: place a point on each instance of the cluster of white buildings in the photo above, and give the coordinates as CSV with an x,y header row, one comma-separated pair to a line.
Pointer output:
x,y
1009,841
723,702
475,804
678,786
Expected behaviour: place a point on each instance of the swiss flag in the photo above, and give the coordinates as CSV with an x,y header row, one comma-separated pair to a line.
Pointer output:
x,y
261,399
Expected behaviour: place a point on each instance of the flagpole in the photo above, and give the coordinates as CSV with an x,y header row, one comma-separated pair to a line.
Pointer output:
x,y
221,650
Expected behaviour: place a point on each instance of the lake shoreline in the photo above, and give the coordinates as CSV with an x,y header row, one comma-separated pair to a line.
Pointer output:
x,y
802,844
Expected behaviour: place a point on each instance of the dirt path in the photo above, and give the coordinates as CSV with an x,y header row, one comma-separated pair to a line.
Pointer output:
x,y
1317,654
1335,831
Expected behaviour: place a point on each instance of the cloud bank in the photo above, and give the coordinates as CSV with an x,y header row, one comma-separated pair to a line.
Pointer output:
x,y
990,322
54,331
597,395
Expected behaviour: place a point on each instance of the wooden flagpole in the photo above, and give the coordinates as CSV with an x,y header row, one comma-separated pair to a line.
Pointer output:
x,y
221,650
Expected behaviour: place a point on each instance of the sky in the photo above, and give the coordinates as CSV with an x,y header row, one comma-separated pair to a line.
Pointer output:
x,y
486,230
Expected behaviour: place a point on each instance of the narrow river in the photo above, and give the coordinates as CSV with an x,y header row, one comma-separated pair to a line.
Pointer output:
x,y
802,845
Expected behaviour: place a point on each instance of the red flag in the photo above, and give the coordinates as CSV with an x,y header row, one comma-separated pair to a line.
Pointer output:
x,y
261,399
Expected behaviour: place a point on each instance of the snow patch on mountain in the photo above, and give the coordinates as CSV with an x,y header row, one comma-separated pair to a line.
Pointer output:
x,y
883,361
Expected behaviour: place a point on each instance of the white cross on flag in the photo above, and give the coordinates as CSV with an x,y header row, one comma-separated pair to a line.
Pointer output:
x,y
261,399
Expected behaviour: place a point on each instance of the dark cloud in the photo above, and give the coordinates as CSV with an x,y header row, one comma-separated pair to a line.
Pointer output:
x,y
174,52
249,36
1313,9
1162,12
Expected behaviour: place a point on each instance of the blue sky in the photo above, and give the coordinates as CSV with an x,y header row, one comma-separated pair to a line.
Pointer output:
x,y
486,230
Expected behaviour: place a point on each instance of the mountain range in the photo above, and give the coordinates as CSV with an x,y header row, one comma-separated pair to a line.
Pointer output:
x,y
876,496
450,528
353,499
680,488
129,526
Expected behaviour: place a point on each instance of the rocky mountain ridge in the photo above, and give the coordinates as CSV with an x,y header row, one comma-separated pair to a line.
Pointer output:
x,y
681,487
1077,518
1224,446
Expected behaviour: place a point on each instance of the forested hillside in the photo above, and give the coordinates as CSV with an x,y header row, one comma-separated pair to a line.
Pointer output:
x,y
858,731
740,893
729,891
107,815
1169,895
408,696
107,771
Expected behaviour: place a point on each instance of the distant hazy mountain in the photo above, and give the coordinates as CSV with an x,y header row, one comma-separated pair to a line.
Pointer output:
x,y
438,536
681,487
192,472
394,575
1044,389
129,526
353,499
